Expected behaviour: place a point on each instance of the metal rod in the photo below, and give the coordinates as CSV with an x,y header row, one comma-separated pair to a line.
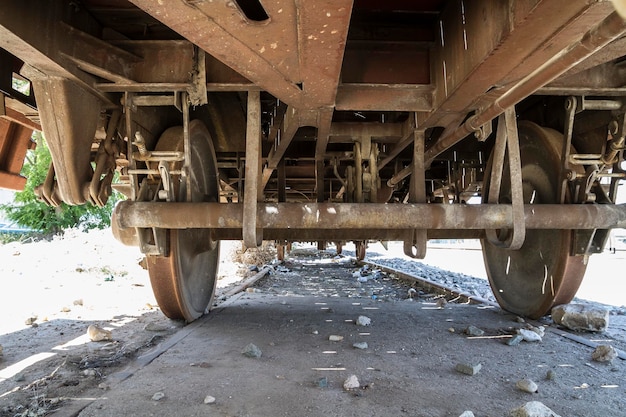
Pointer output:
x,y
337,216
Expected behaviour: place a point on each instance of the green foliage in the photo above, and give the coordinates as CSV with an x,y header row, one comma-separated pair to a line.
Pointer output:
x,y
28,211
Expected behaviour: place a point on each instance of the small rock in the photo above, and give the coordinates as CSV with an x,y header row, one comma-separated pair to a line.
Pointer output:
x,y
315,332
533,409
520,319
209,399
527,385
363,321
550,375
78,302
541,331
335,338
158,396
581,317
90,372
66,309
253,268
1,351
515,340
604,353
322,382
468,368
467,414
98,334
351,383
360,345
30,321
156,327
441,302
252,351
104,386
474,331
529,335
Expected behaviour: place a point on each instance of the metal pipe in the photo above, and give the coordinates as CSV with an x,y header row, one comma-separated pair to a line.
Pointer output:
x,y
373,216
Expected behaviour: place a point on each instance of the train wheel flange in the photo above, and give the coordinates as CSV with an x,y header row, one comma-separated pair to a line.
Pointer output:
x,y
184,281
542,273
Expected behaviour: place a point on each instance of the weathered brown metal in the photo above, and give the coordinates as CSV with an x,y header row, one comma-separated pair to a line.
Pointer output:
x,y
385,97
252,233
14,142
339,216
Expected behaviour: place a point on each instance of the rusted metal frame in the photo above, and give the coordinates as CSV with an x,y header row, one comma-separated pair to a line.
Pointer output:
x,y
46,52
141,87
198,25
253,191
184,102
14,142
322,31
337,216
343,235
324,127
597,37
385,97
415,245
292,120
132,164
507,140
409,137
19,118
69,116
347,131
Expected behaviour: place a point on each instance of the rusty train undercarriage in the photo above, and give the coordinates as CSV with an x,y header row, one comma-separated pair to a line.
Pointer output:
x,y
330,121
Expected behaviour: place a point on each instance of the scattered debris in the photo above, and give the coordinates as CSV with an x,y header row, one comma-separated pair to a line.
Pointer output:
x,y
363,321
604,353
104,386
351,383
541,331
360,345
533,409
468,368
467,414
335,338
322,382
474,331
156,327
209,399
530,336
515,340
158,396
527,385
441,302
78,302
550,375
251,351
98,334
581,317
66,309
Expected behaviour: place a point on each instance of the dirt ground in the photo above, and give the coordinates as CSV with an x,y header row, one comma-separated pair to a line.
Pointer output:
x,y
156,367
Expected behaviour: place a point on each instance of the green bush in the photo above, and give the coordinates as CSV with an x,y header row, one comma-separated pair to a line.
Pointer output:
x,y
28,211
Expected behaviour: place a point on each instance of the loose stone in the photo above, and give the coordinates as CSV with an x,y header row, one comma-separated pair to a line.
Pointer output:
x,y
581,317
468,368
527,385
98,334
335,338
515,340
529,335
351,383
322,382
474,331
360,345
533,409
158,396
209,399
550,375
251,351
363,321
604,353
467,414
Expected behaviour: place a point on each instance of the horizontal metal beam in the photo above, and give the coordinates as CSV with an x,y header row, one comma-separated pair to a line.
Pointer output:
x,y
346,216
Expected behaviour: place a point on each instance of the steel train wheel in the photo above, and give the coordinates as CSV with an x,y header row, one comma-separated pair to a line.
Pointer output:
x,y
184,281
541,274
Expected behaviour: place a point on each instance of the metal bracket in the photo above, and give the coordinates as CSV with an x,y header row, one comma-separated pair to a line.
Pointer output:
x,y
252,234
507,141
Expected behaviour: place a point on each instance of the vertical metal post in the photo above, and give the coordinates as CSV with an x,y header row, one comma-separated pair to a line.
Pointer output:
x,y
282,182
415,246
252,237
134,186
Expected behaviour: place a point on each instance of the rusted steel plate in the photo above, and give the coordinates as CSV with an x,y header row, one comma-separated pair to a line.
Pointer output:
x,y
385,97
198,22
337,216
